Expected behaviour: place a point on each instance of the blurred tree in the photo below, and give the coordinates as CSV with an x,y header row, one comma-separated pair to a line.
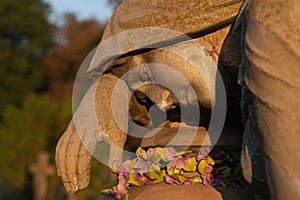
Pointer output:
x,y
38,65
24,40
73,40
28,129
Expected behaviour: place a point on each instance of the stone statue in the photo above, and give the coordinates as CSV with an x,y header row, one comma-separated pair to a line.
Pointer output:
x,y
260,46
268,75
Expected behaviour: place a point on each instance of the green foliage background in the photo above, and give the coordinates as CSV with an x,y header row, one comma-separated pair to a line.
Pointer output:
x,y
38,64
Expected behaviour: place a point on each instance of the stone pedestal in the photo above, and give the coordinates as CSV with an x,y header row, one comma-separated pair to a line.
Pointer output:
x,y
165,191
191,192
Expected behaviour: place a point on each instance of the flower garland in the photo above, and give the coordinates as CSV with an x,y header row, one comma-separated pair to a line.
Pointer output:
x,y
157,165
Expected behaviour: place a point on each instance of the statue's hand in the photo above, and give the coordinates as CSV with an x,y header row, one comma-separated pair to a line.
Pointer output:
x,y
73,160
92,123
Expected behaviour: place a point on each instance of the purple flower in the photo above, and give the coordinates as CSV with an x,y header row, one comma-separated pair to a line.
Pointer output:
x,y
116,193
219,178
219,154
125,171
144,160
179,163
109,197
204,151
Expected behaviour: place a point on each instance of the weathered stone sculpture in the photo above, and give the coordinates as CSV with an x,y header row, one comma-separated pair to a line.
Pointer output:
x,y
263,46
270,34
73,159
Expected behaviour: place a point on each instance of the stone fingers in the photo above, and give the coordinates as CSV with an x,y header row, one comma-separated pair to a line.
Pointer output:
x,y
85,155
60,157
84,167
71,160
95,122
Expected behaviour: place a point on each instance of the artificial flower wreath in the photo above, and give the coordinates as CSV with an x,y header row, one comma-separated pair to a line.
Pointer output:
x,y
157,165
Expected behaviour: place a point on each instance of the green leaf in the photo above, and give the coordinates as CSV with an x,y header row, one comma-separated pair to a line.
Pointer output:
x,y
225,170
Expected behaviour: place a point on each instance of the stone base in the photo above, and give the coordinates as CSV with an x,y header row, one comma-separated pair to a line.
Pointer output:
x,y
190,192
165,191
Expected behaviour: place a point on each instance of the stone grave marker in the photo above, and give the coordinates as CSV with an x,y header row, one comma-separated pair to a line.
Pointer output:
x,y
41,171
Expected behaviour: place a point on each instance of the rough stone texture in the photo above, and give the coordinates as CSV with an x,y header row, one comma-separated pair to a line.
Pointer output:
x,y
92,123
165,191
72,158
271,96
185,17
188,137
193,192
268,52
188,17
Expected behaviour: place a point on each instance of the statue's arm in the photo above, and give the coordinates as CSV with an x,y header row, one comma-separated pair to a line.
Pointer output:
x,y
92,123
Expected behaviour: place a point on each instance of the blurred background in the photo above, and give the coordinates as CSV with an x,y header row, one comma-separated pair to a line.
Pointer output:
x,y
42,45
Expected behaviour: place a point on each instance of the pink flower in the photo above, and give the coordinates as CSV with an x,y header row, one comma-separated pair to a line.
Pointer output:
x,y
170,154
208,180
118,192
188,181
179,163
214,177
121,187
143,179
208,170
171,180
176,161
125,171
204,151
